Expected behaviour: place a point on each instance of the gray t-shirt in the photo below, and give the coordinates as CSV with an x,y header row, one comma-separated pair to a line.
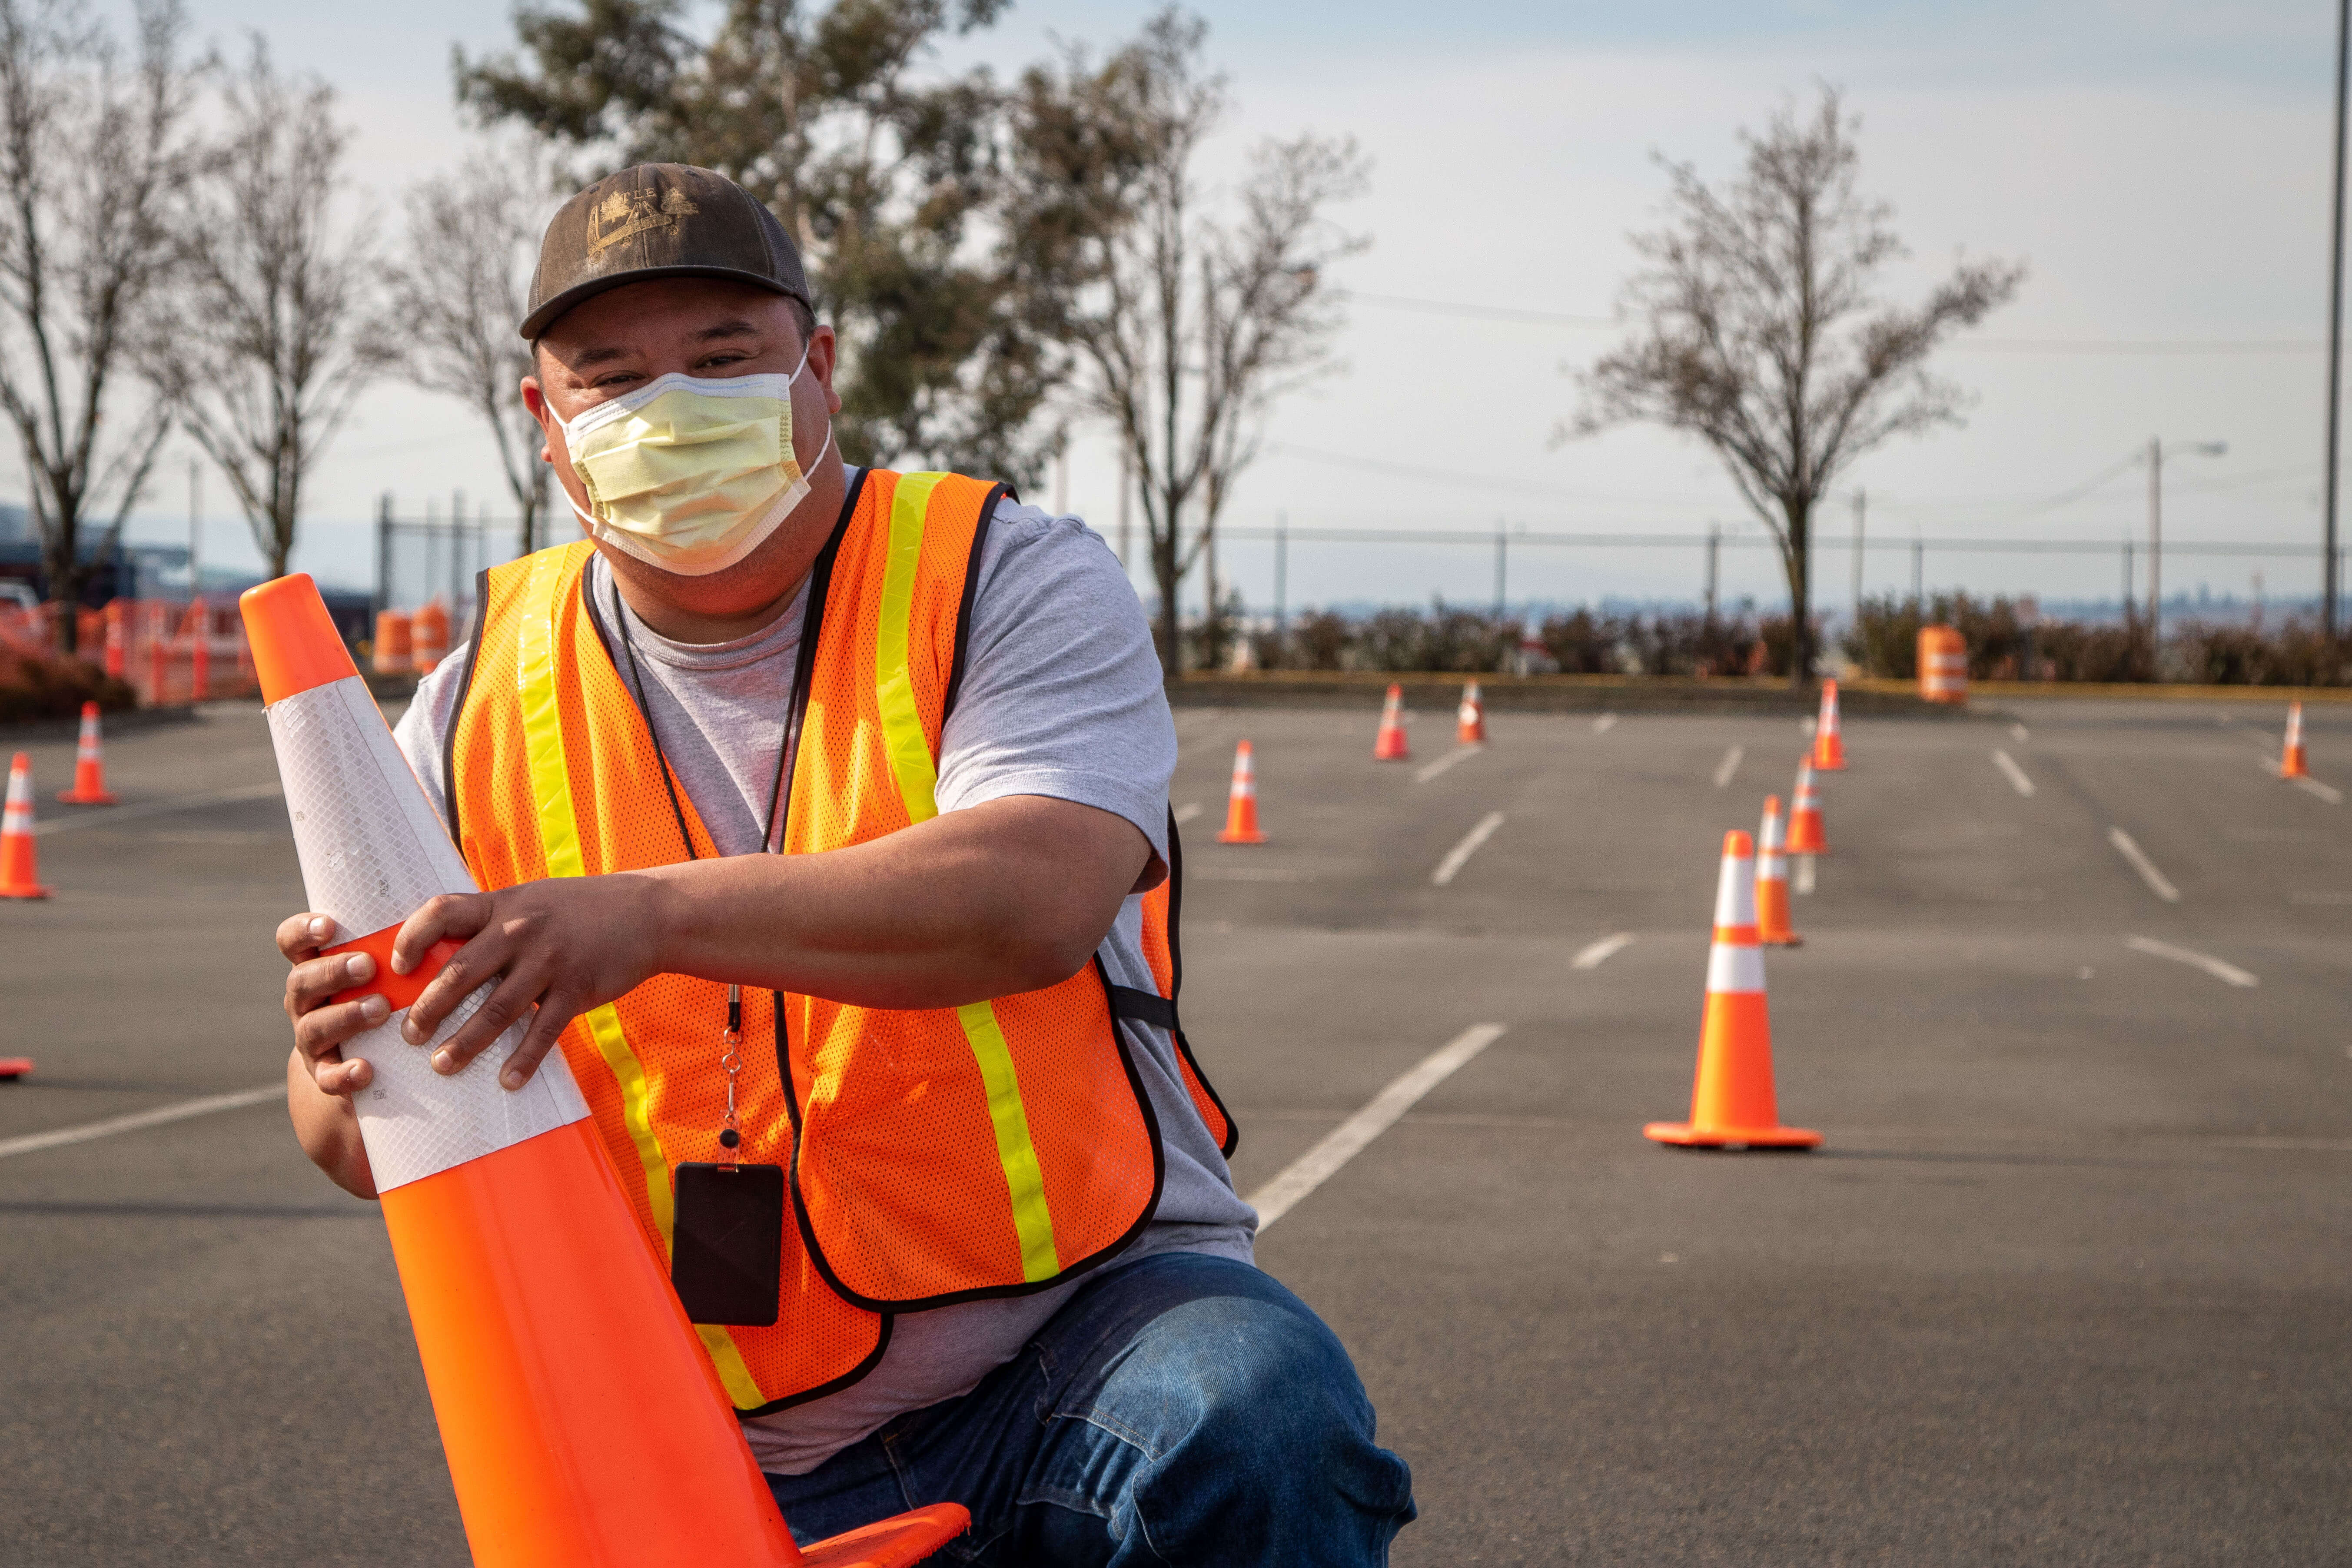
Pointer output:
x,y
1061,697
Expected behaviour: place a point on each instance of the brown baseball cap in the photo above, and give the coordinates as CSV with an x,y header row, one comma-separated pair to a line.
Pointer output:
x,y
660,220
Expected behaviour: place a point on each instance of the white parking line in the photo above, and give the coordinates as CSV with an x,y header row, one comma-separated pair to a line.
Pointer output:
x,y
33,1142
2019,733
1457,755
1459,856
1728,766
1602,725
1805,882
2215,967
1347,1140
1601,951
113,814
1186,812
2016,775
2157,883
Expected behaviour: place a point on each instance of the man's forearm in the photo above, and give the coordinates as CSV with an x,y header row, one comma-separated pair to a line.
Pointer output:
x,y
328,1127
1005,897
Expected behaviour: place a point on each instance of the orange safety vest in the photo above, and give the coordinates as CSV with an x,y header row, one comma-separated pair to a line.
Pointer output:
x,y
934,1155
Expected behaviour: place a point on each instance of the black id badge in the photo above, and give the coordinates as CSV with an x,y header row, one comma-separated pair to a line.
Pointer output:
x,y
726,1242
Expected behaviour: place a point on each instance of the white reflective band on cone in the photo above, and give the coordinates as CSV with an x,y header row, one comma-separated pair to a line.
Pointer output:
x,y
1734,969
372,852
1735,892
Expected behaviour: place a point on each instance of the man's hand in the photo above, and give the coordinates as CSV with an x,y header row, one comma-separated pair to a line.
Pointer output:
x,y
556,948
320,1027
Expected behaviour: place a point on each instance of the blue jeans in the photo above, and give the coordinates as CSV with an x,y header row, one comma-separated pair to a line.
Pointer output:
x,y
1181,1409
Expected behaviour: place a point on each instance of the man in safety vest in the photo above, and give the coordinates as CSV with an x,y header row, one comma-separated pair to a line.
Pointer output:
x,y
822,815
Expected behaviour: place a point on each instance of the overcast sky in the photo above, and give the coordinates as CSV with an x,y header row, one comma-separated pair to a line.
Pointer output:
x,y
2162,168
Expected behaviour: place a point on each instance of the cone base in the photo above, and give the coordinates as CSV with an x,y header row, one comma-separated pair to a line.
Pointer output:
x,y
13,1068
893,1543
1391,754
94,798
1815,849
35,892
1821,767
1683,1135
2295,772
1229,837
1790,940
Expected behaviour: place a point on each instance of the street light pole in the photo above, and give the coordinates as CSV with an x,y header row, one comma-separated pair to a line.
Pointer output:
x,y
2334,323
2155,525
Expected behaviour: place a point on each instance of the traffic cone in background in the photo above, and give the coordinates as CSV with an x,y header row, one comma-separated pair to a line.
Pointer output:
x,y
1773,882
1470,719
579,1417
1241,807
1829,746
1806,836
89,765
15,1068
20,871
1389,745
1732,1102
2290,764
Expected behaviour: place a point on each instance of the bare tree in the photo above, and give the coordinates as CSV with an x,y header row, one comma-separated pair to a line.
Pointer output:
x,y
93,160
1759,331
1187,328
472,237
278,335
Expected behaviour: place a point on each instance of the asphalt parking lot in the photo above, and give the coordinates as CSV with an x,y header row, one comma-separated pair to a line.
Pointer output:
x,y
2068,1283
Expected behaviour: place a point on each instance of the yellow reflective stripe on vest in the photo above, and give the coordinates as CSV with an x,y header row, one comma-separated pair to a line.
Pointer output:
x,y
559,838
894,688
909,750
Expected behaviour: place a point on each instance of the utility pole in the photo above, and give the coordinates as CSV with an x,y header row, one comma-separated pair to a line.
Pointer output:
x,y
2334,323
2155,540
1859,502
1502,568
1714,550
1281,580
195,524
2128,579
1919,575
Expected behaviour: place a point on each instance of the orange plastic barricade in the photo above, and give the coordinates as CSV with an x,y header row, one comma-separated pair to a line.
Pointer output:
x,y
89,765
1829,742
1943,664
1470,719
428,632
583,1423
394,647
1389,745
1732,1101
1241,807
20,870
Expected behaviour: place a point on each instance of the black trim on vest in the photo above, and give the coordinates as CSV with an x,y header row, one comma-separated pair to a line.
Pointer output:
x,y
1233,1139
854,1374
457,709
964,609
993,1292
1143,1008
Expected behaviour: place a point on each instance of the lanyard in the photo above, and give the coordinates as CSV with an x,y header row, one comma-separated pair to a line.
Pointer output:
x,y
731,1038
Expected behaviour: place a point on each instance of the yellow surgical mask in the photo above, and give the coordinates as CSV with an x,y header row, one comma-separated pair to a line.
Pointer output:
x,y
690,473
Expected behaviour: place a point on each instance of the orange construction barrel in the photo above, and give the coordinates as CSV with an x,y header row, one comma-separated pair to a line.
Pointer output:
x,y
392,642
1943,664
429,634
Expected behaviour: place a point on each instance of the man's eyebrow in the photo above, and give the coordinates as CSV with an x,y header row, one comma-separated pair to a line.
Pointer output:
x,y
604,355
735,329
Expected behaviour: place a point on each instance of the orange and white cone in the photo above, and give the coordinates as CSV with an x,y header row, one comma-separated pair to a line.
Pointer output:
x,y
89,765
578,1414
2290,763
1828,745
1732,1102
1806,834
1241,807
1389,745
1773,882
14,1068
20,870
1470,719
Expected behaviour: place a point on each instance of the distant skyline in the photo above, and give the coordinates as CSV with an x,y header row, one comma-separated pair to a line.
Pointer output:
x,y
2163,169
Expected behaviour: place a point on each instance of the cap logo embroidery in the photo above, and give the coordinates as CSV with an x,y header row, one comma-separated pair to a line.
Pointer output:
x,y
624,213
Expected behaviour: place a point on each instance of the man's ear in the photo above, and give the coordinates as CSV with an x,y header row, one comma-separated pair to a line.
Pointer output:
x,y
825,352
535,399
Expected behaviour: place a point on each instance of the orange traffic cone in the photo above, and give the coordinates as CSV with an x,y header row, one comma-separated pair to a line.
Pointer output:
x,y
1773,882
20,871
1470,719
14,1068
581,1419
1241,808
1829,746
2290,764
1806,834
1732,1103
1389,745
89,765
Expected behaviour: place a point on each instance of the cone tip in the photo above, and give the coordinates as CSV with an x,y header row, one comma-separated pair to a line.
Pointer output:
x,y
20,761
295,643
1738,846
1772,805
89,709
